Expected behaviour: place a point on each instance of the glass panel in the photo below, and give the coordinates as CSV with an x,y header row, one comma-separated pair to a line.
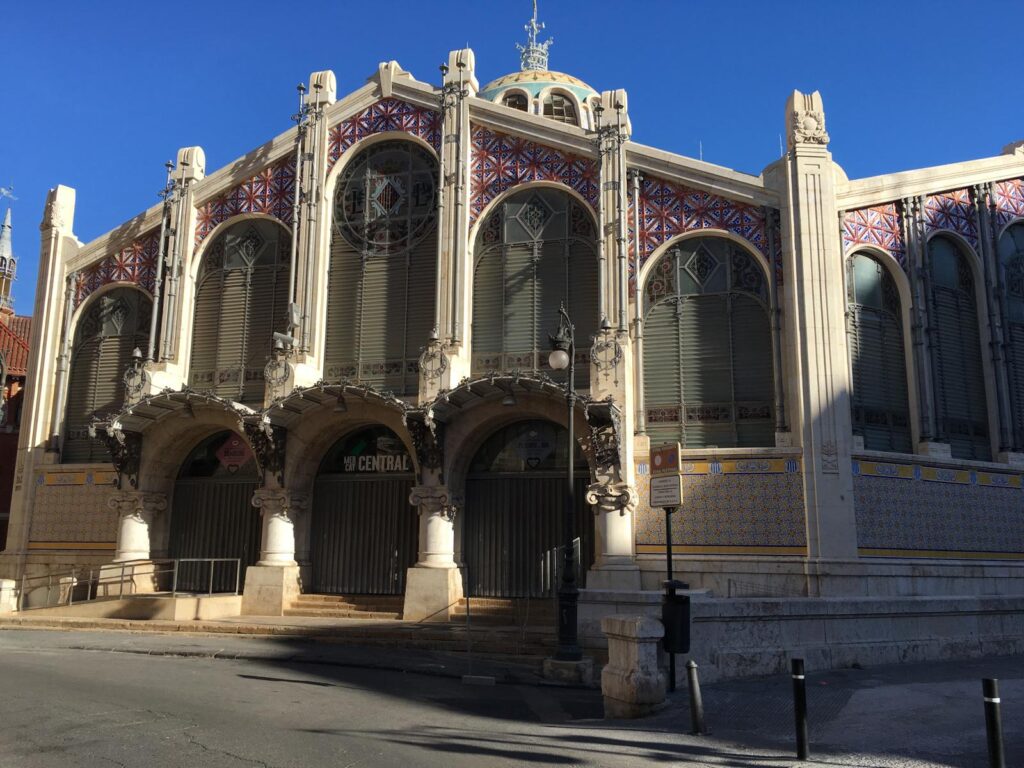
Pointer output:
x,y
867,281
944,260
560,108
515,101
526,446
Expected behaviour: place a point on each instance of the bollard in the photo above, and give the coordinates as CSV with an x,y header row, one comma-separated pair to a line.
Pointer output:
x,y
800,708
993,723
696,702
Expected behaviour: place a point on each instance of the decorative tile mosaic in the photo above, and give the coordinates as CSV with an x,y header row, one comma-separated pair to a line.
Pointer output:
x,y
742,503
878,226
75,512
271,191
384,115
500,162
952,211
668,210
134,264
1009,201
930,514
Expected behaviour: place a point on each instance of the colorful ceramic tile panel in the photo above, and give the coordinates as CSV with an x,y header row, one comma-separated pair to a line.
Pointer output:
x,y
385,115
1009,201
271,191
134,264
929,517
878,226
736,509
668,210
500,162
952,211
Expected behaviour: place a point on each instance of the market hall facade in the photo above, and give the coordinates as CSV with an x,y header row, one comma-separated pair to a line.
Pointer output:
x,y
328,359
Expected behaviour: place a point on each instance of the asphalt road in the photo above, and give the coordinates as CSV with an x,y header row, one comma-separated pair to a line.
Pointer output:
x,y
298,704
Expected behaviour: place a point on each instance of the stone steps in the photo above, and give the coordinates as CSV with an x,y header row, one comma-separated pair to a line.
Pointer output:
x,y
346,606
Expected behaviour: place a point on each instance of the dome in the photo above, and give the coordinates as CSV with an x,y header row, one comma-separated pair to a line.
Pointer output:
x,y
533,81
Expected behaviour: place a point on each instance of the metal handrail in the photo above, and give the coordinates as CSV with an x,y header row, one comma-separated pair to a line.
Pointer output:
x,y
117,573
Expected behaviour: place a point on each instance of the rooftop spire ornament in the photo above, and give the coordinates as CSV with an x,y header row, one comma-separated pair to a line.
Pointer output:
x,y
534,55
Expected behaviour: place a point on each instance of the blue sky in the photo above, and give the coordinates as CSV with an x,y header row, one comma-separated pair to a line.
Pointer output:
x,y
98,95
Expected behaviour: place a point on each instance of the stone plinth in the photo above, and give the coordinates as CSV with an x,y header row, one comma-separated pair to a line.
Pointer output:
x,y
269,589
632,684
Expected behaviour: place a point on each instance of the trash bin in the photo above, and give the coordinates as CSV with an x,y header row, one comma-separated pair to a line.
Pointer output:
x,y
675,616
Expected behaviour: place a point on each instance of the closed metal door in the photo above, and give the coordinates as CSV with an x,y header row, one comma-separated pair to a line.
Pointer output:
x,y
214,517
511,522
364,534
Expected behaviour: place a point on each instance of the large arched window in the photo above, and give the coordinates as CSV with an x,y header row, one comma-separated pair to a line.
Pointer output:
x,y
535,252
111,326
560,108
707,353
1011,258
881,410
516,100
960,403
241,300
380,308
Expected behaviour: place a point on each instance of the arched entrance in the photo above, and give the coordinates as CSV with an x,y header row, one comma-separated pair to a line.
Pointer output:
x,y
212,513
515,502
363,531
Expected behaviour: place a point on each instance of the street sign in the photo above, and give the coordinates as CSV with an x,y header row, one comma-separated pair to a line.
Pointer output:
x,y
665,459
666,491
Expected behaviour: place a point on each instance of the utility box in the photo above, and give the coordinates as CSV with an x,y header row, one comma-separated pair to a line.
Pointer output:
x,y
675,616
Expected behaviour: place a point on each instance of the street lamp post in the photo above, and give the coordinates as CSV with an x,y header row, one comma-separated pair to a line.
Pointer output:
x,y
563,354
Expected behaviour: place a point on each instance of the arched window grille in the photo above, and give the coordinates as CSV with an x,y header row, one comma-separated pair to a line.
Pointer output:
x,y
112,325
516,100
380,309
881,409
707,356
560,108
960,403
535,252
241,300
1011,259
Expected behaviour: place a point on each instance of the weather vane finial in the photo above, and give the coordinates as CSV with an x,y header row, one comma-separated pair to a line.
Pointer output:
x,y
534,55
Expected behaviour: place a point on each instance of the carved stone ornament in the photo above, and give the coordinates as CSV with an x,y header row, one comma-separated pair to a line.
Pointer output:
x,y
806,124
53,215
139,505
268,444
275,502
829,457
125,449
427,439
434,500
611,496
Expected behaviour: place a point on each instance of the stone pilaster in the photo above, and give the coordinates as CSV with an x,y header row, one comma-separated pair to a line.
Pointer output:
x,y
136,511
817,307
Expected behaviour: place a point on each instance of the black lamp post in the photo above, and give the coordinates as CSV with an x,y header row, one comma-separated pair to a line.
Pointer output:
x,y
563,353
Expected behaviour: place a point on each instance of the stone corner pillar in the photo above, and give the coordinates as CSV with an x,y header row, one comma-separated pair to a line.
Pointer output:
x,y
136,511
631,683
434,584
817,329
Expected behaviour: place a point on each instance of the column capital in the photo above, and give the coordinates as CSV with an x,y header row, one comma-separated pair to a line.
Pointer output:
x,y
612,496
273,501
137,503
433,499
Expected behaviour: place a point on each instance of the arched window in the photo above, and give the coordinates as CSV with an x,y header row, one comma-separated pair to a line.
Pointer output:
x,y
535,252
516,100
881,410
1011,257
960,403
707,353
380,308
111,326
241,300
560,108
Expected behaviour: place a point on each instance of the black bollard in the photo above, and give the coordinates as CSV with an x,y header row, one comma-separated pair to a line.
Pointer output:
x,y
696,702
993,723
800,708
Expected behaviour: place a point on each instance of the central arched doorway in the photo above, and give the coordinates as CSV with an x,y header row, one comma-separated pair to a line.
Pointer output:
x,y
212,513
515,507
364,532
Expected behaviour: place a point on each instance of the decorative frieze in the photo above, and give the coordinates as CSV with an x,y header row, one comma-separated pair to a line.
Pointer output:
x,y
136,263
271,192
952,211
879,226
385,115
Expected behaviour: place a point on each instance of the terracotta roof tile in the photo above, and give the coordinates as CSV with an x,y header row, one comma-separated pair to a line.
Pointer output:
x,y
14,351
22,325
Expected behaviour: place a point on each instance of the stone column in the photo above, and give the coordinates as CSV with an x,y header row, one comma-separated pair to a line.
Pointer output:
x,y
818,333
136,511
434,584
614,502
278,541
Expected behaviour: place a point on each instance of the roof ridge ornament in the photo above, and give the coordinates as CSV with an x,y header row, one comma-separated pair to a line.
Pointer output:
x,y
534,56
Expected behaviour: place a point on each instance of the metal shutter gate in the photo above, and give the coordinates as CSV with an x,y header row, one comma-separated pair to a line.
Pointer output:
x,y
881,410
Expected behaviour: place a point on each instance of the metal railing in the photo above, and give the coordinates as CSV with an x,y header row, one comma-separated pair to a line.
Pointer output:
x,y
551,569
113,581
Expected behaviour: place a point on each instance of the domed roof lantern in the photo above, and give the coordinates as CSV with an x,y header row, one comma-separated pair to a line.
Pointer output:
x,y
534,56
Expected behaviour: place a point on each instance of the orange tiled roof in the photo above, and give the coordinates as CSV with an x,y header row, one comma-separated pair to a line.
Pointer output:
x,y
22,325
14,350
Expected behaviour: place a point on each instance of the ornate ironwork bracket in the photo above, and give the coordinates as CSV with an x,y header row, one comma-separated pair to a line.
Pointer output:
x,y
268,443
125,450
605,438
427,440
